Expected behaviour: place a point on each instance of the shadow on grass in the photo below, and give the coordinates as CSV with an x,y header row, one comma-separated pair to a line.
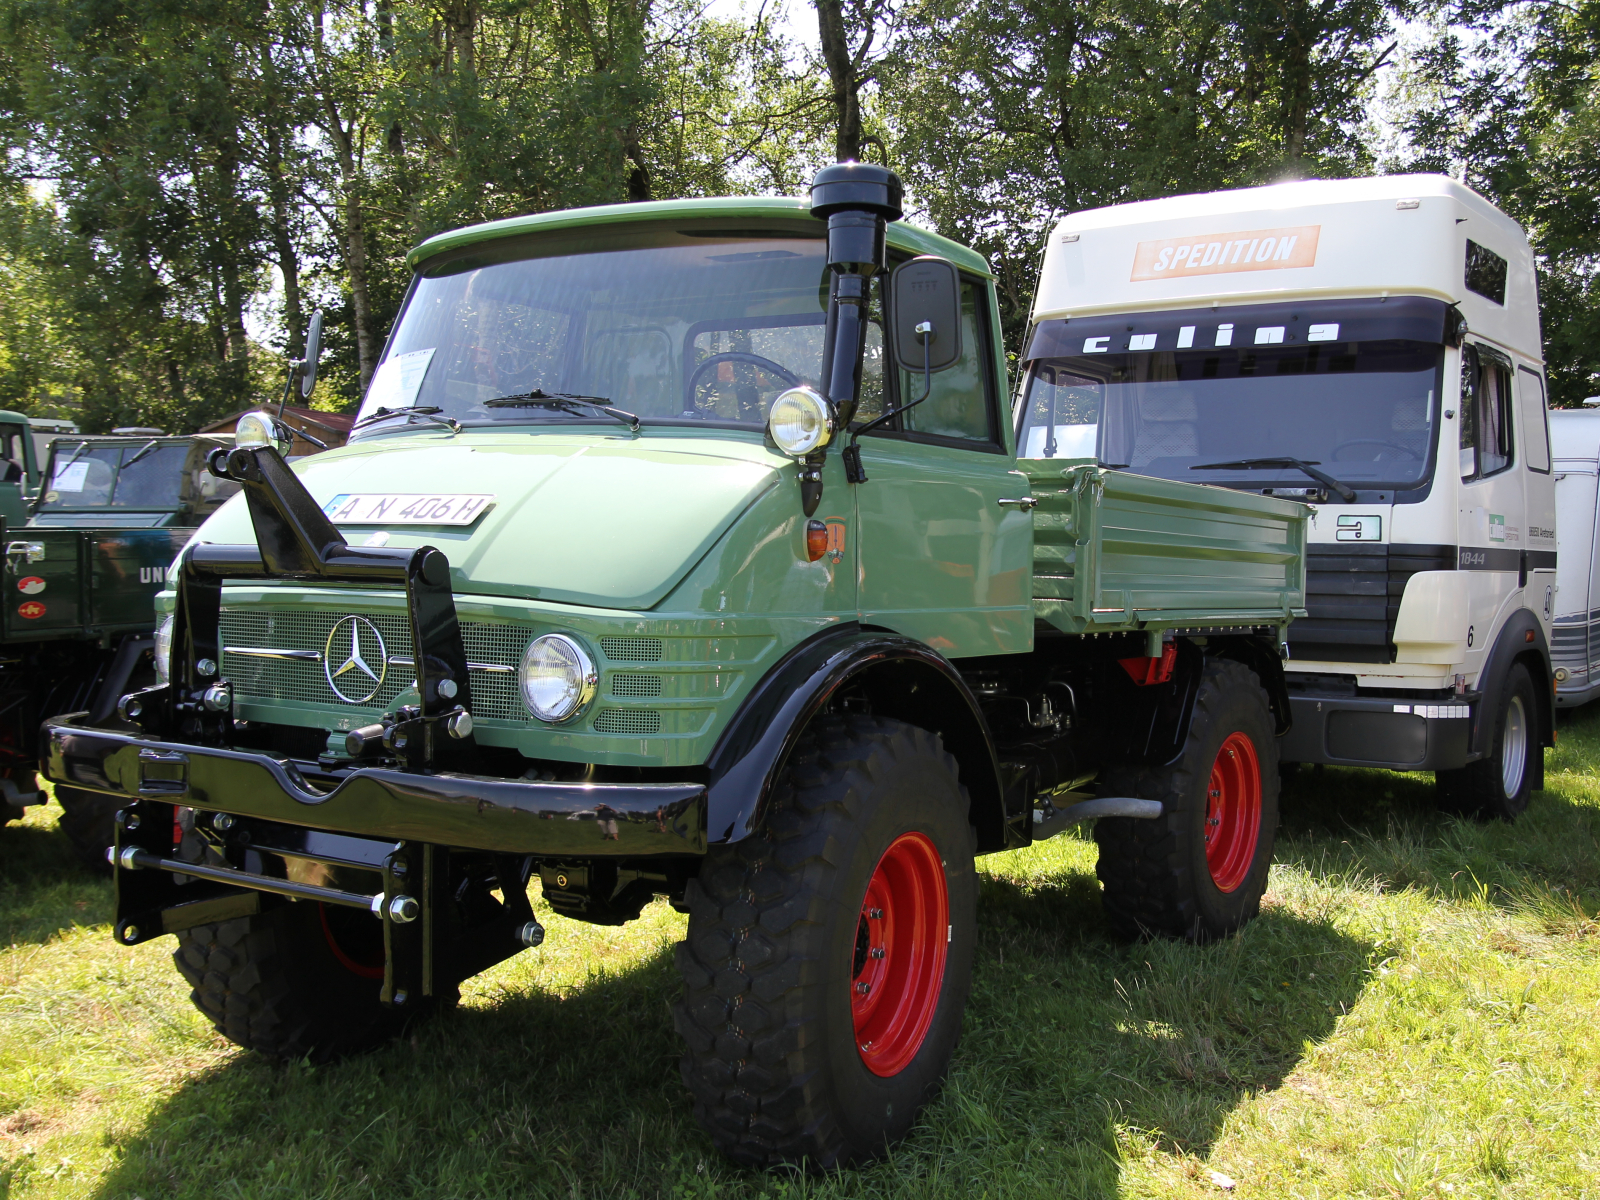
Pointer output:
x,y
1387,829
1161,1039
44,889
1069,1039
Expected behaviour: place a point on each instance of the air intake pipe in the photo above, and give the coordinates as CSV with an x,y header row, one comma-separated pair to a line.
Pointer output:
x,y
858,200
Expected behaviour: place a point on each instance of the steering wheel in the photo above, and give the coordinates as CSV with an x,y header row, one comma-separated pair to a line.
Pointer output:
x,y
755,360
1406,450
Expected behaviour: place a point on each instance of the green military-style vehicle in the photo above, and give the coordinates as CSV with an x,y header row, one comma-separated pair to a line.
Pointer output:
x,y
682,549
84,559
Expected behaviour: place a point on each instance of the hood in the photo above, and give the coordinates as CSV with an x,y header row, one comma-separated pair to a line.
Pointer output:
x,y
607,521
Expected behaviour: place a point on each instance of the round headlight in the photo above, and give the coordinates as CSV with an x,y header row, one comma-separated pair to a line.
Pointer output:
x,y
163,649
557,678
800,421
257,429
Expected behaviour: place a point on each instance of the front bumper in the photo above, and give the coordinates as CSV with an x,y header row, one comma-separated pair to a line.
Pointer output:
x,y
475,812
1360,731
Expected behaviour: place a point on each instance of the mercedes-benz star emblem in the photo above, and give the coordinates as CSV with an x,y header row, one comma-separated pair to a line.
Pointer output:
x,y
357,648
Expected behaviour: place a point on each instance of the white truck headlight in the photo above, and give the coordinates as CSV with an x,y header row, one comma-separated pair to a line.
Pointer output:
x,y
258,428
800,421
557,678
163,649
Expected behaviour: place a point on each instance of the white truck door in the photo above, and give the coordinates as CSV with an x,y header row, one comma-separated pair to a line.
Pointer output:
x,y
1492,530
1539,497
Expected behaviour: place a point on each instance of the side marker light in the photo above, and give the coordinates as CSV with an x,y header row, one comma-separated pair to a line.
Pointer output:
x,y
816,540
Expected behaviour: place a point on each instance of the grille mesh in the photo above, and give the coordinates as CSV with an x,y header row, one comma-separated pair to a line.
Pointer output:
x,y
623,649
636,685
627,720
276,681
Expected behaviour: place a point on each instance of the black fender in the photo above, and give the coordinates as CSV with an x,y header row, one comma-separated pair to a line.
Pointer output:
x,y
899,677
1521,638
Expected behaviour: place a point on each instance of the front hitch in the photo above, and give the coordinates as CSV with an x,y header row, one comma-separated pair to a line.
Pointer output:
x,y
296,540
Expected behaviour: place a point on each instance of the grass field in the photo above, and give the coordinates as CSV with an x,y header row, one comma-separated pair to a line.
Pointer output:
x,y
1415,1014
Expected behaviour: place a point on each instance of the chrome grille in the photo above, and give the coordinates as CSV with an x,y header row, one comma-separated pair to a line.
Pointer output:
x,y
289,681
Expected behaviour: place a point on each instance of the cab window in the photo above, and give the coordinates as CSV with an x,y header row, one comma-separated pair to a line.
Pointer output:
x,y
959,407
1486,413
1535,421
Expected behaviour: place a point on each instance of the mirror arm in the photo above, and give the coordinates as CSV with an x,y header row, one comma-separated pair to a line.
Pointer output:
x,y
854,472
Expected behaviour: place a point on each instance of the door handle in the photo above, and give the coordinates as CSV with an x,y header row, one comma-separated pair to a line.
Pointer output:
x,y
1025,503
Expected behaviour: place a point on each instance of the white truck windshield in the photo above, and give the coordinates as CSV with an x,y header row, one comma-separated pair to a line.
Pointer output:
x,y
1173,394
701,329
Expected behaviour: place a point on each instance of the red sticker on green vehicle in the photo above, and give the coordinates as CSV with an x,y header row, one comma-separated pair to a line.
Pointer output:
x,y
30,610
31,586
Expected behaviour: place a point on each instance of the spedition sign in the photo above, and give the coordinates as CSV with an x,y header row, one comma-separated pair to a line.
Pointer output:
x,y
1221,253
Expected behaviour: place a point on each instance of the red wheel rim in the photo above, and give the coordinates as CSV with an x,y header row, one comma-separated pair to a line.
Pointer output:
x,y
902,938
1233,812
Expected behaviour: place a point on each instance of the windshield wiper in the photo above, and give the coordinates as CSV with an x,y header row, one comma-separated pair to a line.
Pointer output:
x,y
564,402
426,413
1267,464
143,450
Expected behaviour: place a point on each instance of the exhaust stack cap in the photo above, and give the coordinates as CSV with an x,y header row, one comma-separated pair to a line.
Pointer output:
x,y
865,187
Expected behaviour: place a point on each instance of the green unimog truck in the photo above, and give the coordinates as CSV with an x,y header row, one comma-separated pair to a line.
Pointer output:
x,y
682,549
85,555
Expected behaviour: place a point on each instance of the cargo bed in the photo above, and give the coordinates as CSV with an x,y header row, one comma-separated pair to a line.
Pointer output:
x,y
1117,552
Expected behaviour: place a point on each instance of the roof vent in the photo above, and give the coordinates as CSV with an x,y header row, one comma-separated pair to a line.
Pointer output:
x,y
1592,402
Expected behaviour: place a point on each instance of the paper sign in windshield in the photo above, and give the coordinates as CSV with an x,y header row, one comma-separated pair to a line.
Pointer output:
x,y
70,477
1218,253
396,382
401,508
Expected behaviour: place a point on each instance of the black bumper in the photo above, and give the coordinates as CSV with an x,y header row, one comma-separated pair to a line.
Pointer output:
x,y
476,812
1401,735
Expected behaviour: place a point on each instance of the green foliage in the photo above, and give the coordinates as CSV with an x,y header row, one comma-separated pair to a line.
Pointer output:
x,y
207,160
1507,96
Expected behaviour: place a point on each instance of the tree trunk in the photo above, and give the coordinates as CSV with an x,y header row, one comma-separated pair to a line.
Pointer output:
x,y
843,74
355,242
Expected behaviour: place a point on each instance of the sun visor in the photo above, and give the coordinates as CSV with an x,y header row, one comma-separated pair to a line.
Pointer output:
x,y
1399,318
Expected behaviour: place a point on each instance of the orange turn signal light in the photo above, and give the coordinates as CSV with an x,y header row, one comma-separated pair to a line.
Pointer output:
x,y
816,540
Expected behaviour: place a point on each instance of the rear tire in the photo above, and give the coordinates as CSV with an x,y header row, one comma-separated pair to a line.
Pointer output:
x,y
1500,785
89,821
1199,870
300,980
862,877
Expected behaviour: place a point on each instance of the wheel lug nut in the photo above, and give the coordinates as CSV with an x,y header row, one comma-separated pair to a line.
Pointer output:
x,y
875,914
863,988
875,952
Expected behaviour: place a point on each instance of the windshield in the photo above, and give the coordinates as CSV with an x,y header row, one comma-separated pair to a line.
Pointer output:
x,y
138,474
1348,386
671,327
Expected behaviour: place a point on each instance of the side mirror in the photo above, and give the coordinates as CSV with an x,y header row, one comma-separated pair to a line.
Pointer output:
x,y
925,314
308,374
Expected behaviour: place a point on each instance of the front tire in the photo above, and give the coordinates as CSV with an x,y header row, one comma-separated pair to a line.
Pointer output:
x,y
1199,870
89,821
829,955
300,980
1500,785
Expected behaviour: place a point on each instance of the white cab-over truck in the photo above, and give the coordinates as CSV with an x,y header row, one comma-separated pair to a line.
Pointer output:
x,y
1370,346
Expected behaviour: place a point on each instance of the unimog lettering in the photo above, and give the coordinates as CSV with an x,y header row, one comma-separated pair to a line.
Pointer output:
x,y
767,617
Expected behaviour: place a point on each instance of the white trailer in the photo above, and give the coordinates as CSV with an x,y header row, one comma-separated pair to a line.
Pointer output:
x,y
1575,646
1370,346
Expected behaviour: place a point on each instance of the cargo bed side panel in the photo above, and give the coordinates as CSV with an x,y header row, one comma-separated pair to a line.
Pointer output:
x,y
1117,551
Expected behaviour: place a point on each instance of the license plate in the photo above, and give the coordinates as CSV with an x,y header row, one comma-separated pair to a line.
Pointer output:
x,y
402,508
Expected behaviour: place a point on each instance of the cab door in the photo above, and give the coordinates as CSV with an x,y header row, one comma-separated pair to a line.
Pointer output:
x,y
1493,527
941,558
1539,496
